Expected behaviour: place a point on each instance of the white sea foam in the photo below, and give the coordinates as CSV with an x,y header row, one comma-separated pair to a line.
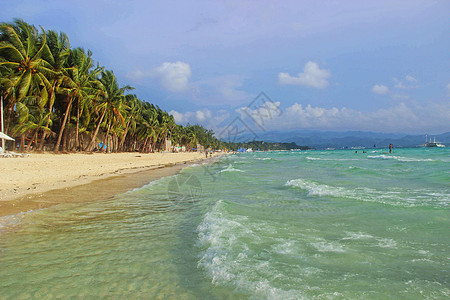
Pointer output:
x,y
414,159
357,236
313,158
331,159
427,260
325,246
382,156
396,197
195,165
287,247
230,169
228,261
317,189
399,158
386,243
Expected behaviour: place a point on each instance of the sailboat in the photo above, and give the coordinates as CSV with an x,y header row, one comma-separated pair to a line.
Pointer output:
x,y
432,143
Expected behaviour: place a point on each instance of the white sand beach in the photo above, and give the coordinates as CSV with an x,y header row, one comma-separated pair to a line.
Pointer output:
x,y
39,173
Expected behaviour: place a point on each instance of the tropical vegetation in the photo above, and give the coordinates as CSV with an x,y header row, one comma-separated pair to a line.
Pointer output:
x,y
57,98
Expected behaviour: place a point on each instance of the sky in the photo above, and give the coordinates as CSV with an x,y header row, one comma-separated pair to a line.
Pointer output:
x,y
381,66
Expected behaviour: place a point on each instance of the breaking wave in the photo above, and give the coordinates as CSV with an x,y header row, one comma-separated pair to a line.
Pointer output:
x,y
395,197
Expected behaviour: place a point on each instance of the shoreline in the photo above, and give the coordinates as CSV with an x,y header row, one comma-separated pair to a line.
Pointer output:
x,y
45,180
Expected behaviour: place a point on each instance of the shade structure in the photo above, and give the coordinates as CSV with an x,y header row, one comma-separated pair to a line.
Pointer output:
x,y
5,137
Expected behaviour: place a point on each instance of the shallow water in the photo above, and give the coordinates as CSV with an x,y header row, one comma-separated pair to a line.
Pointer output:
x,y
281,225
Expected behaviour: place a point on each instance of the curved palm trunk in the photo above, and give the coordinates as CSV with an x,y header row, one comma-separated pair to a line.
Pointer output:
x,y
77,131
8,112
91,143
33,140
124,136
44,133
144,146
58,141
22,142
108,146
116,143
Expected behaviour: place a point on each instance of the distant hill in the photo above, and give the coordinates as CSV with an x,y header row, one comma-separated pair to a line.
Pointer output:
x,y
264,146
348,139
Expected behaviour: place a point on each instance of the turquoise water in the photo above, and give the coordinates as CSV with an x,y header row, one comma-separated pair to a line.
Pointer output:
x,y
280,225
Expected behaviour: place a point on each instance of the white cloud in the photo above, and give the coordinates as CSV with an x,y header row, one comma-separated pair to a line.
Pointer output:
x,y
410,78
401,117
380,89
203,117
262,113
399,96
400,85
312,76
178,117
409,83
174,76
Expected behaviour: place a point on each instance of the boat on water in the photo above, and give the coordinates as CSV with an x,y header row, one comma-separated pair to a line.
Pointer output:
x,y
432,143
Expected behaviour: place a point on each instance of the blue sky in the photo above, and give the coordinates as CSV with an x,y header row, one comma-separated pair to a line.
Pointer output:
x,y
379,66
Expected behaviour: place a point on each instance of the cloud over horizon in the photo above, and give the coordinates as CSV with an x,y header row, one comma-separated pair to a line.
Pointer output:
x,y
401,117
205,117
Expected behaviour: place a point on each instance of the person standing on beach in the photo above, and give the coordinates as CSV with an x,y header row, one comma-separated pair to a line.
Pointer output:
x,y
390,148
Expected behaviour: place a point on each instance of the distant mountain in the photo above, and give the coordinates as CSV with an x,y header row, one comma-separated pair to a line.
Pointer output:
x,y
348,139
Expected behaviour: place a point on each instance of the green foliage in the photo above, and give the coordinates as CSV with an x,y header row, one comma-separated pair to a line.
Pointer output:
x,y
265,146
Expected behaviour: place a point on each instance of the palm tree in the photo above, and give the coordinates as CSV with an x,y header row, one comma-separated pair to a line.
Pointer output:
x,y
111,103
147,127
191,138
8,93
21,51
80,83
56,52
134,109
31,119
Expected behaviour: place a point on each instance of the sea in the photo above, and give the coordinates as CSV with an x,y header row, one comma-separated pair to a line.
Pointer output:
x,y
264,225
